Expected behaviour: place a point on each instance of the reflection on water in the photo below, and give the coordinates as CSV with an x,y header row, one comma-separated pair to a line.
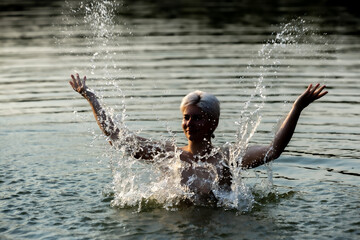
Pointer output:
x,y
156,53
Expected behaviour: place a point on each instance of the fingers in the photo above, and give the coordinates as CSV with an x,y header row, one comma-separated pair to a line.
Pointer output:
x,y
322,94
73,83
317,92
320,89
309,88
78,80
77,84
313,90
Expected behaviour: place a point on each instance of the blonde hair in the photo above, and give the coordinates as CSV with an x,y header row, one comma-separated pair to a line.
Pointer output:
x,y
206,101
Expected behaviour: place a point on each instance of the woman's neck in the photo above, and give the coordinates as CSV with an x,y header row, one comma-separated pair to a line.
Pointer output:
x,y
199,148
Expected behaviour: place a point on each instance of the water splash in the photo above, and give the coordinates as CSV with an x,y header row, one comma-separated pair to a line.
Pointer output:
x,y
95,23
130,189
99,17
295,38
140,184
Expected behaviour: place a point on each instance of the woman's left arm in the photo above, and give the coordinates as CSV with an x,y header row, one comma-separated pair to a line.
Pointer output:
x,y
258,155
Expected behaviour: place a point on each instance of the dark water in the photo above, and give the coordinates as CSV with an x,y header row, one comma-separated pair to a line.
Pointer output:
x,y
55,179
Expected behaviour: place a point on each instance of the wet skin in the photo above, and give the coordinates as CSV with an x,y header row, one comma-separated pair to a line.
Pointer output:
x,y
198,127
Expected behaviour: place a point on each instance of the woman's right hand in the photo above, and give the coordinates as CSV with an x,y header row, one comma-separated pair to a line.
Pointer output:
x,y
79,85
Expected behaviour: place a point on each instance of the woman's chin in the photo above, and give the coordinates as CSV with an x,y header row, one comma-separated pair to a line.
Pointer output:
x,y
196,139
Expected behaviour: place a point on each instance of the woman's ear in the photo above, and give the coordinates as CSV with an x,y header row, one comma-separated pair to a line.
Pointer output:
x,y
216,122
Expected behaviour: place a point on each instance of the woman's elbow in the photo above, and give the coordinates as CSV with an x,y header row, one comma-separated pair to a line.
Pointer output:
x,y
277,154
273,155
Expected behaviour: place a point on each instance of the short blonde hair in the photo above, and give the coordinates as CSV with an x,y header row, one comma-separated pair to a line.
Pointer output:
x,y
206,101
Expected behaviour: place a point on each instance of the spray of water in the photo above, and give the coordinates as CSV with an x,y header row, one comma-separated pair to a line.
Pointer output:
x,y
295,38
161,183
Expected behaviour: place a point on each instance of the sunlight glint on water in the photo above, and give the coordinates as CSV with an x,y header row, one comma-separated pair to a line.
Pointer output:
x,y
55,176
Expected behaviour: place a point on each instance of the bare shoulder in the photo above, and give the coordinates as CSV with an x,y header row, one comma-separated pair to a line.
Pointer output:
x,y
184,148
185,155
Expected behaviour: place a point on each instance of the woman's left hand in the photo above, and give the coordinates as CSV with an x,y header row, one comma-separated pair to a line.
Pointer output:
x,y
310,95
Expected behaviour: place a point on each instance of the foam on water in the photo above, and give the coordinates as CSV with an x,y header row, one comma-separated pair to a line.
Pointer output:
x,y
136,183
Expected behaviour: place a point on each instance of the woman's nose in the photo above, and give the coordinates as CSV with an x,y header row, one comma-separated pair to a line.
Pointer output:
x,y
190,121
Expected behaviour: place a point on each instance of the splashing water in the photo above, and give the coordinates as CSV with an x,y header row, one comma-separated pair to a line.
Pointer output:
x,y
161,183
99,16
289,39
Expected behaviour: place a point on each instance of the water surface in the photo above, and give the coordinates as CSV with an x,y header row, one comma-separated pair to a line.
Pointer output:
x,y
55,177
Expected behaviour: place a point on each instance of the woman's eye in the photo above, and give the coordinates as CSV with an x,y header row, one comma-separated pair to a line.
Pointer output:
x,y
199,118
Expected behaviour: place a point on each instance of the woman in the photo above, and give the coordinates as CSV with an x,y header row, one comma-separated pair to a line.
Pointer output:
x,y
205,164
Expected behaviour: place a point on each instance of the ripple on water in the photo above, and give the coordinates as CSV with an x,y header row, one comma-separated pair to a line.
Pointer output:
x,y
50,182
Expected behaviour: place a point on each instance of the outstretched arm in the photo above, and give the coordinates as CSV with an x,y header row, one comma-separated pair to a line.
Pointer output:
x,y
258,155
104,121
144,148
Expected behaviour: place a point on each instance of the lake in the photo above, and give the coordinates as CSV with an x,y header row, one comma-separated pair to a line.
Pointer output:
x,y
60,179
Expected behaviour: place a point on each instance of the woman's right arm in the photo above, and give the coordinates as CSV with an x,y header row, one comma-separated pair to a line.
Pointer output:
x,y
143,148
105,122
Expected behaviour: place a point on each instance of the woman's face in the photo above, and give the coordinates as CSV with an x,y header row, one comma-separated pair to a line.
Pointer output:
x,y
198,125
